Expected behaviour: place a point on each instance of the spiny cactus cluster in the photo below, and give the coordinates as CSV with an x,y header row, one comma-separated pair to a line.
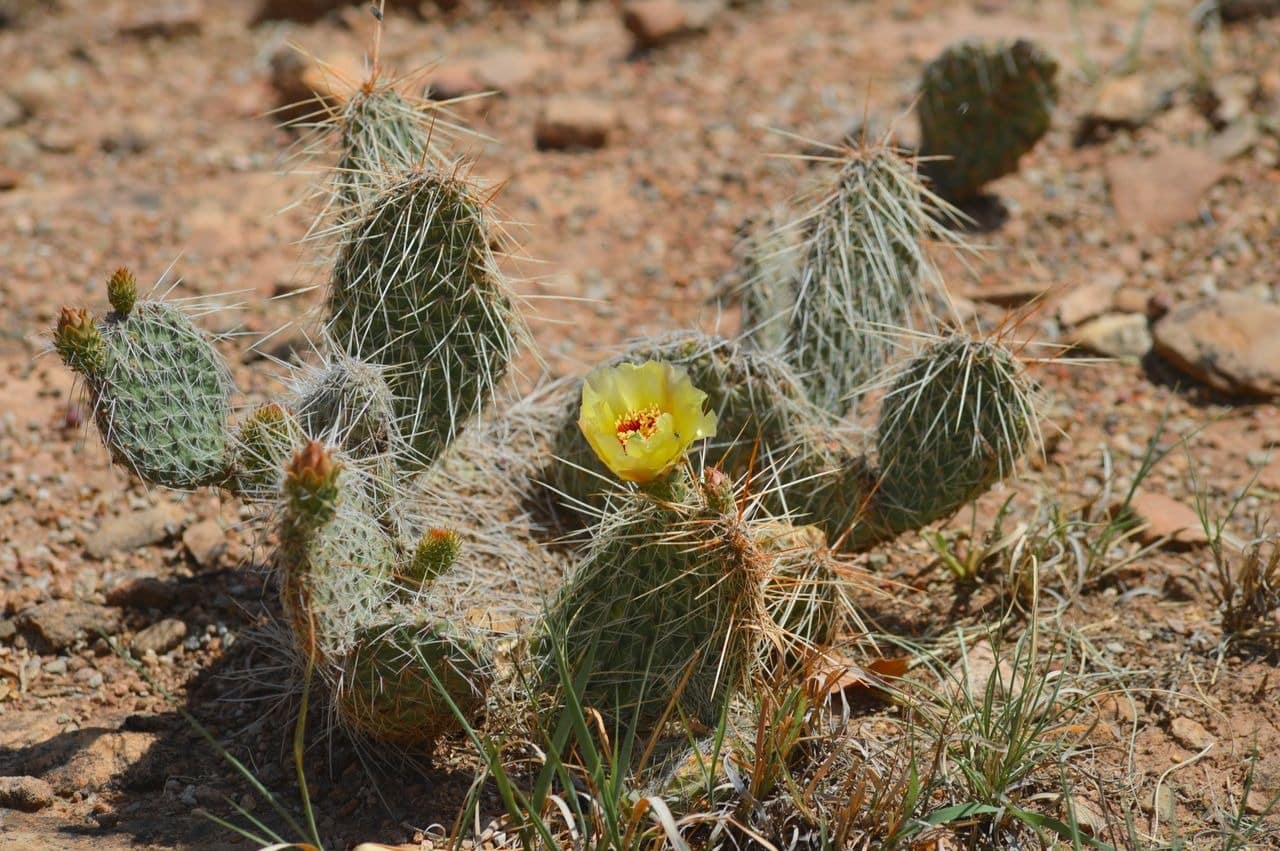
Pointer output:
x,y
956,412
404,577
982,106
419,328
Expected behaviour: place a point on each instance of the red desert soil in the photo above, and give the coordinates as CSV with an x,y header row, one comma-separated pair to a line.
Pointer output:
x,y
139,133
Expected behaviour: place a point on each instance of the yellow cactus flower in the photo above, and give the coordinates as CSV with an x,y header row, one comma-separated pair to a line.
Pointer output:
x,y
641,419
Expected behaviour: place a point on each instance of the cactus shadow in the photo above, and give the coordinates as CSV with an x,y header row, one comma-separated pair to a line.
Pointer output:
x,y
985,213
154,769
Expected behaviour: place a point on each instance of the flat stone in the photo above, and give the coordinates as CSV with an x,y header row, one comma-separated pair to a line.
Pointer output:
x,y
1115,335
454,81
28,794
89,759
1236,140
159,637
1234,94
206,541
1152,195
653,23
1228,341
59,624
331,79
1085,302
165,18
127,532
574,122
1190,733
1128,101
1165,518
509,68
11,112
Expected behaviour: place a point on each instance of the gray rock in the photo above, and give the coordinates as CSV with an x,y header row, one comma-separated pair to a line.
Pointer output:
x,y
1128,101
88,677
1228,341
28,794
137,529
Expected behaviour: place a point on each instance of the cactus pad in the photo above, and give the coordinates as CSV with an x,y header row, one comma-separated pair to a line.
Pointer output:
x,y
416,291
982,106
667,602
863,278
161,393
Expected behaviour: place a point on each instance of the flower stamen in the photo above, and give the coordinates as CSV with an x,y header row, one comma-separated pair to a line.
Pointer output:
x,y
642,422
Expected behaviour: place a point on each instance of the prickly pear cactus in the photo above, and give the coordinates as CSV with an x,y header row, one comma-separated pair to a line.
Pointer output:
x,y
982,106
416,290
380,132
954,420
770,258
161,393
354,598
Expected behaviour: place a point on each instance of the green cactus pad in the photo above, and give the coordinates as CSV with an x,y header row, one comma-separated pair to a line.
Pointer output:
x,y
161,393
346,403
416,291
381,133
769,269
667,601
956,420
864,277
982,106
336,560
387,694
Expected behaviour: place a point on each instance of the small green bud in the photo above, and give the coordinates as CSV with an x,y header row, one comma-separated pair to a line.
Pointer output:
x,y
718,489
78,342
436,553
122,291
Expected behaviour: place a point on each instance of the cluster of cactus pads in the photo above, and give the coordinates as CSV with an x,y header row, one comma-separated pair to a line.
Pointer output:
x,y
392,479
